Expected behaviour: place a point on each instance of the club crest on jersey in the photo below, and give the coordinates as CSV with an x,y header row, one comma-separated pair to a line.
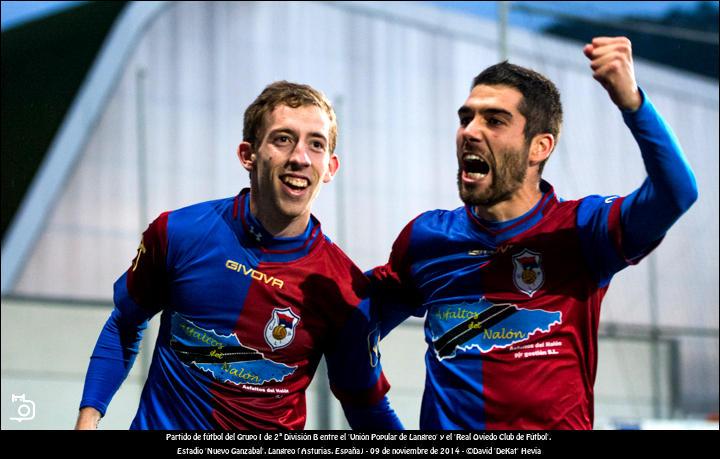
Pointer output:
x,y
280,330
527,271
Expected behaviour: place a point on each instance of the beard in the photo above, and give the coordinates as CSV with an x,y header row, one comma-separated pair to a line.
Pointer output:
x,y
507,177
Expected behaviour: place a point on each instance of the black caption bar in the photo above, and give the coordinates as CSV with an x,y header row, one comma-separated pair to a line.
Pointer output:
x,y
496,444
342,443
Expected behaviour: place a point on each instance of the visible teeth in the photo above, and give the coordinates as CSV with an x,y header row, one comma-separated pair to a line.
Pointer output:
x,y
295,181
475,165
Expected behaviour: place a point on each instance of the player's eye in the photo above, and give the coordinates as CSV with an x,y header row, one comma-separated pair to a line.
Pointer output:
x,y
317,145
282,140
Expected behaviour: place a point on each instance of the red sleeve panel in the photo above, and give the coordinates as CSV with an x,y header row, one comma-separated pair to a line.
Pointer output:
x,y
147,275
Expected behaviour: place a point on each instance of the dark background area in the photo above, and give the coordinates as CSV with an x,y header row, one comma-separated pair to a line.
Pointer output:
x,y
44,63
692,56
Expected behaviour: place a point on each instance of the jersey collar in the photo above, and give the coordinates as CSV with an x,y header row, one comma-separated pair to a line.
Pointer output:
x,y
272,248
510,228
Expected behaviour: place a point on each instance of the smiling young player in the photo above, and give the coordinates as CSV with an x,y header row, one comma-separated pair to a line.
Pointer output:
x,y
252,295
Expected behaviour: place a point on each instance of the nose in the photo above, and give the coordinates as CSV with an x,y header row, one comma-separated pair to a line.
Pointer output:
x,y
470,133
300,156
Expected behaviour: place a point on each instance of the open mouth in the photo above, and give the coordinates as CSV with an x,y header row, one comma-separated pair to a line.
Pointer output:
x,y
294,182
475,167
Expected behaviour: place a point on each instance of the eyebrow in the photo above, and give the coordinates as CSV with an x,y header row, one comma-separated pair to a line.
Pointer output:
x,y
318,134
464,110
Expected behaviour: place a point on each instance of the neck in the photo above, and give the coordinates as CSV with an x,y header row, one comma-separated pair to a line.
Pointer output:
x,y
278,225
521,201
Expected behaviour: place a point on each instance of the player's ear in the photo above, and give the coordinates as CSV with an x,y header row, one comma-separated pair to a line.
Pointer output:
x,y
540,148
333,167
246,155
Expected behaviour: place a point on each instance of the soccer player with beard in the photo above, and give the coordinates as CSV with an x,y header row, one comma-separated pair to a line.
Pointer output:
x,y
512,282
252,295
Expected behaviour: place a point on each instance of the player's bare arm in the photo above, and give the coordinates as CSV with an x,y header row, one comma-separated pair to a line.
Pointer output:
x,y
88,419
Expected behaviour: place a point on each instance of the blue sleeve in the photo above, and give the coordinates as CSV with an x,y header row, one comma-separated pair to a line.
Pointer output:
x,y
355,373
392,288
115,350
393,312
616,232
376,417
392,306
598,220
669,189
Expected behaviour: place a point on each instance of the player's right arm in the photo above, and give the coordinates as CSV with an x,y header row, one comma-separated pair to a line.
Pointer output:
x,y
392,292
356,375
138,294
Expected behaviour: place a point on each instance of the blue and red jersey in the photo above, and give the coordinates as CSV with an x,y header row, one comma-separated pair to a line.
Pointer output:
x,y
245,319
512,308
509,311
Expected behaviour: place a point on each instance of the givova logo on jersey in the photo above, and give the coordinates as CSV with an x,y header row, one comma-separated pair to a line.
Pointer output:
x,y
280,330
528,274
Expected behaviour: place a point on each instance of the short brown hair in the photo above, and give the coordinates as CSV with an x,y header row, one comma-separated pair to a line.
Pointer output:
x,y
293,95
540,105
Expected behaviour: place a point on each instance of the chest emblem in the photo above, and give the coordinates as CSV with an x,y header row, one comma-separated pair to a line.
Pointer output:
x,y
223,357
280,330
528,274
